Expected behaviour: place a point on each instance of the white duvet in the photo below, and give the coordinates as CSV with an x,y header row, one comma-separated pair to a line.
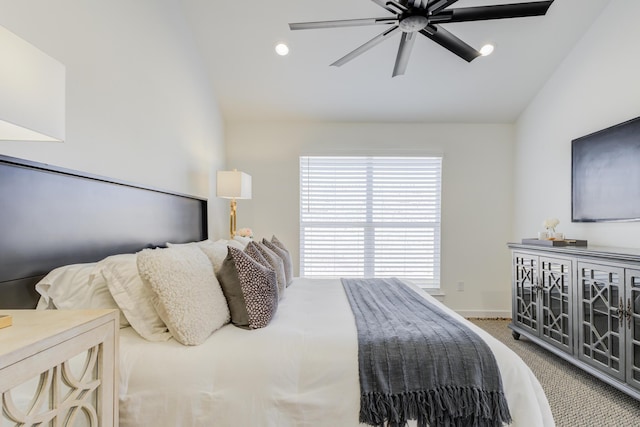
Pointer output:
x,y
301,370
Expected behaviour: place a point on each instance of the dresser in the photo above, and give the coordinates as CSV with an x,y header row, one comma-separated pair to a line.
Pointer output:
x,y
583,304
59,367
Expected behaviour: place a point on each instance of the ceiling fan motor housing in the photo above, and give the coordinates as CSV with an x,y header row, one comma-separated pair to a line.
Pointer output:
x,y
413,23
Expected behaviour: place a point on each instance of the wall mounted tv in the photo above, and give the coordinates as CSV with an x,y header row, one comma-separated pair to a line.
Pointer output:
x,y
605,174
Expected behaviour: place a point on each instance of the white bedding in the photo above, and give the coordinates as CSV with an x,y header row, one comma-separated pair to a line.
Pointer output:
x,y
301,370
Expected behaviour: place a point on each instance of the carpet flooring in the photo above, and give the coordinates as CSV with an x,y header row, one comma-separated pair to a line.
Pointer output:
x,y
576,398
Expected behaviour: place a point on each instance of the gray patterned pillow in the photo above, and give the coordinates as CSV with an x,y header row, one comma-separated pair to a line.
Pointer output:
x,y
286,258
252,250
278,243
251,290
275,263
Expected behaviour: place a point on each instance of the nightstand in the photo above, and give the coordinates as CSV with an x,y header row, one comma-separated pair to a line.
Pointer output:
x,y
60,366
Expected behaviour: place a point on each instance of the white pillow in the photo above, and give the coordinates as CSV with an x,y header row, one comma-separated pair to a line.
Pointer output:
x,y
100,297
170,245
74,287
43,304
120,273
235,244
187,295
65,287
244,240
216,252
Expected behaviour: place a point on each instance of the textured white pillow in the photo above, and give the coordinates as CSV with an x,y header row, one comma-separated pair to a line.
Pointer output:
x,y
216,252
120,273
187,295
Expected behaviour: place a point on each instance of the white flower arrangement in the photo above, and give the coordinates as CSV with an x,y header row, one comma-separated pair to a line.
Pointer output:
x,y
550,224
245,232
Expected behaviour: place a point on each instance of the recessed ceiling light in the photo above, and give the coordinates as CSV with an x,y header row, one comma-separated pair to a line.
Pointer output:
x,y
282,49
486,49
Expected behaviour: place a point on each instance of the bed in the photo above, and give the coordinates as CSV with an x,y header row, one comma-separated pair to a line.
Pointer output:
x,y
300,370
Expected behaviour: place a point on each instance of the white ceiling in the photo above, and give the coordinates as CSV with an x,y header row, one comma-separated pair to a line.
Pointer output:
x,y
251,82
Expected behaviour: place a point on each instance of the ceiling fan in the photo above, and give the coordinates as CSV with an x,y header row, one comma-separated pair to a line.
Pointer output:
x,y
424,17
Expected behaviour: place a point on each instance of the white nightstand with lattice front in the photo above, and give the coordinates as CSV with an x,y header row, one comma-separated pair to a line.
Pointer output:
x,y
59,367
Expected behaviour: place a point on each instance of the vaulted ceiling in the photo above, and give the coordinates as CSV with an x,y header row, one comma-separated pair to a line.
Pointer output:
x,y
251,82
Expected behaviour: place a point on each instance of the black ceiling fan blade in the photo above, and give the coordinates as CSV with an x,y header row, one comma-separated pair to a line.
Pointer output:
x,y
404,51
365,47
450,42
418,4
435,6
342,23
501,11
393,6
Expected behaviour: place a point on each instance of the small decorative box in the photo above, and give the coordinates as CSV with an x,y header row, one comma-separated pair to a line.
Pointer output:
x,y
5,321
565,242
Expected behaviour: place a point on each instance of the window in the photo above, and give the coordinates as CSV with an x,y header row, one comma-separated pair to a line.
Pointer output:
x,y
371,217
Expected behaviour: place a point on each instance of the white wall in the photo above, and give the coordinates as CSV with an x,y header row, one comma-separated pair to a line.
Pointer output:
x,y
597,86
139,105
477,191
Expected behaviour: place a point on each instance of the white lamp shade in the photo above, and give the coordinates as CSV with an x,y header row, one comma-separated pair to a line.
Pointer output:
x,y
233,185
32,92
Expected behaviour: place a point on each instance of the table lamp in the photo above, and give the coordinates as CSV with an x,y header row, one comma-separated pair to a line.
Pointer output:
x,y
233,185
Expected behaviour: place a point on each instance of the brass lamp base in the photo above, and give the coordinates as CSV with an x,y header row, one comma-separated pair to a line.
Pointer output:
x,y
232,219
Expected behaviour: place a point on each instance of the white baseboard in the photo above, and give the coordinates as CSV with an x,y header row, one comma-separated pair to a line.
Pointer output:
x,y
481,314
484,314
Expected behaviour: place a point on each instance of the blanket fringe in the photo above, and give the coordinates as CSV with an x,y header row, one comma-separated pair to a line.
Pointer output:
x,y
445,406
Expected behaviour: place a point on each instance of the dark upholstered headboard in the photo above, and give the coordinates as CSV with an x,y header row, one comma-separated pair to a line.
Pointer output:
x,y
51,217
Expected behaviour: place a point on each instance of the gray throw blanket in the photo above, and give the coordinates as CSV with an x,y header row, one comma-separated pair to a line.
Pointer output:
x,y
417,362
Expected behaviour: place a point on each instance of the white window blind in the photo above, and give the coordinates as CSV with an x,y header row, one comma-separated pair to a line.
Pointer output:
x,y
371,217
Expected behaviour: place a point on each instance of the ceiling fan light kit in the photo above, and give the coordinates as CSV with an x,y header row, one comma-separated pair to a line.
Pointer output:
x,y
424,17
282,49
486,50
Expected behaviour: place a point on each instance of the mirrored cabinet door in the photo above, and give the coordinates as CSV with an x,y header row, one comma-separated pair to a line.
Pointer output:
x,y
525,296
632,309
601,330
556,290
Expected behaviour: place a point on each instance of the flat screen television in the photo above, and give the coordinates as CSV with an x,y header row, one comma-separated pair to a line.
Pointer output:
x,y
605,174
